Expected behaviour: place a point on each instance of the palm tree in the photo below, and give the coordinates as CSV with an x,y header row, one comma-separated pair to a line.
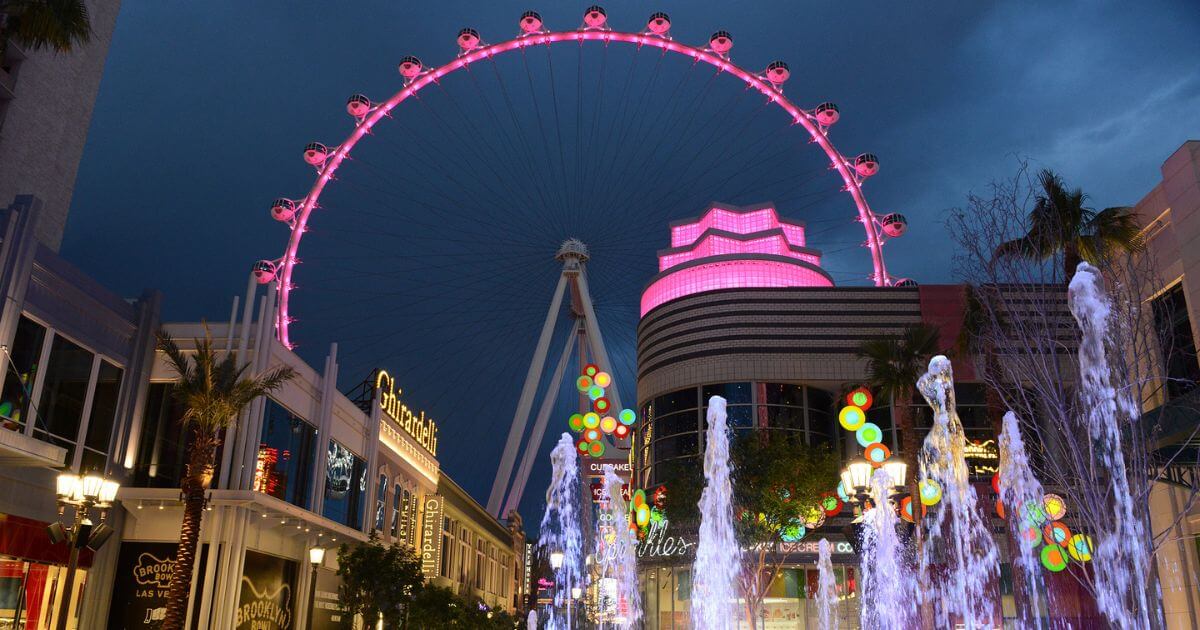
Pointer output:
x,y
39,24
893,366
1060,223
213,392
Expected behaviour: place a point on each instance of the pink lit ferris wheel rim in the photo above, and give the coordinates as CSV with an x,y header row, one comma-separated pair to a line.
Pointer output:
x,y
330,165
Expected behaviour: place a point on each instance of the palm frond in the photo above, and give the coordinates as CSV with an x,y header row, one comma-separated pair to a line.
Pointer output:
x,y
55,24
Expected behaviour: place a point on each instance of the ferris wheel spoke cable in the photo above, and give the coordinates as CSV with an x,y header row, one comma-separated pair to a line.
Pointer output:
x,y
473,131
537,110
562,160
589,155
626,126
517,142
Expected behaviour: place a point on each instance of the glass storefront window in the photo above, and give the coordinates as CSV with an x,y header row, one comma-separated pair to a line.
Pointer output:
x,y
60,409
782,394
285,452
345,486
678,446
733,393
675,401
676,423
100,420
22,368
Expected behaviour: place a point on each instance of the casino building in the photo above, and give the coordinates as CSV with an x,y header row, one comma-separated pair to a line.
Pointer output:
x,y
741,308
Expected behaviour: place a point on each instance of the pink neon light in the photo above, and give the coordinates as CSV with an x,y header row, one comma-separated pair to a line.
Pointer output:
x,y
733,274
737,222
843,167
716,245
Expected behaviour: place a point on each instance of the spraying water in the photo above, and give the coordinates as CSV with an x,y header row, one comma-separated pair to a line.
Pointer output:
x,y
1020,488
560,531
827,597
531,620
1122,557
714,594
958,537
887,592
616,548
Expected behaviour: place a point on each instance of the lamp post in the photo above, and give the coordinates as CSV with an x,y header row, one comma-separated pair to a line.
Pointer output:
x,y
84,494
556,562
316,556
856,477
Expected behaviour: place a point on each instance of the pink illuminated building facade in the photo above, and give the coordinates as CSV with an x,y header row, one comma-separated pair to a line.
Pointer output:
x,y
734,247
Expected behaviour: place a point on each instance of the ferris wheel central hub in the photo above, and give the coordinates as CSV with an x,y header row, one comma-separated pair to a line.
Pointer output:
x,y
572,249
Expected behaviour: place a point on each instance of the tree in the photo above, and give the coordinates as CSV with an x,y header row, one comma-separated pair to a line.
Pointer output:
x,y
779,483
378,582
213,391
438,607
893,366
39,24
1060,224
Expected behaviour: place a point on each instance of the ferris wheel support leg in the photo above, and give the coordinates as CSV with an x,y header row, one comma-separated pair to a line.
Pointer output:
x,y
539,429
525,402
595,340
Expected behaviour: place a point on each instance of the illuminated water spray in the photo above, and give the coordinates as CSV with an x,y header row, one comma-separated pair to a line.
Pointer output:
x,y
714,573
827,597
1122,557
560,532
958,537
1021,491
616,547
887,587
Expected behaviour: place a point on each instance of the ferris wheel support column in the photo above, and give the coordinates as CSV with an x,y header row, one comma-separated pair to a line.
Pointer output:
x,y
539,429
595,341
525,402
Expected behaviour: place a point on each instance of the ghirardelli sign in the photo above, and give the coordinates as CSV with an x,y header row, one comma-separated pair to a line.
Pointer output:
x,y
431,537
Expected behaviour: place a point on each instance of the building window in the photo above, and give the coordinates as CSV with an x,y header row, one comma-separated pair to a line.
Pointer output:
x,y
380,501
1174,327
284,465
162,446
398,495
22,368
100,420
60,410
345,486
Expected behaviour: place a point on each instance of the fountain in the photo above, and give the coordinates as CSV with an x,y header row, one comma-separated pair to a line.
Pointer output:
x,y
1019,488
827,597
616,549
531,620
958,538
560,533
717,564
1122,558
887,592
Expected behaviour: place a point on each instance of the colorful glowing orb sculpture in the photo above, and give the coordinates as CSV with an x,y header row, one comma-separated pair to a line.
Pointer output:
x,y
842,494
831,504
601,405
1055,506
869,433
1055,533
596,449
582,445
591,435
1000,509
815,519
1054,558
906,509
627,417
608,424
603,379
621,432
591,420
1031,536
931,492
591,370
1080,547
594,392
576,422
638,498
583,383
877,453
860,398
642,513
1034,514
793,532
852,418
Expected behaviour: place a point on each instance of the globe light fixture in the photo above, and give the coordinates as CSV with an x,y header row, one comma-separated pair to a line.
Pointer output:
x,y
556,560
576,592
897,471
316,556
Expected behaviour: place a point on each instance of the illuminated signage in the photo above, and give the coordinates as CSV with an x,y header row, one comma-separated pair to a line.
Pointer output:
x,y
983,457
657,544
431,537
423,430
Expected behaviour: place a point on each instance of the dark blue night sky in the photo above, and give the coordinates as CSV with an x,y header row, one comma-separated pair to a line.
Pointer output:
x,y
432,253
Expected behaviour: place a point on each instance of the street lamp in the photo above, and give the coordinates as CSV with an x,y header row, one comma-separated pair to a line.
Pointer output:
x,y
316,556
556,560
897,471
856,478
83,494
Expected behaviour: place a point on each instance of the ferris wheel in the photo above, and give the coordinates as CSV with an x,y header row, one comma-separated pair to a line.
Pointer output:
x,y
367,114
